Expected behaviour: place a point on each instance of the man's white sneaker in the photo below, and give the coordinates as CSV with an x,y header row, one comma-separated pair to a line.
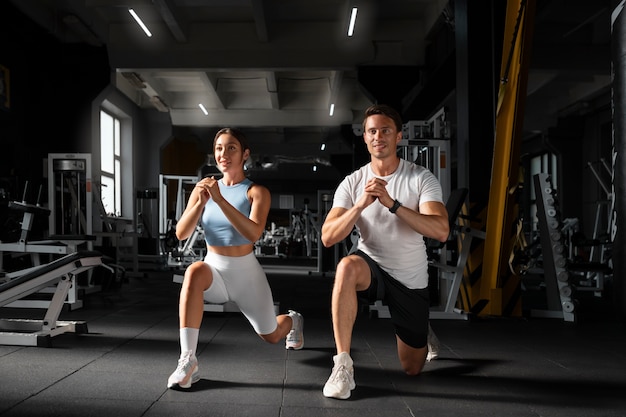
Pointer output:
x,y
295,338
186,372
433,345
341,381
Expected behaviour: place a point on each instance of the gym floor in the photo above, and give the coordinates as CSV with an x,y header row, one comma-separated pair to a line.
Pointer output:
x,y
521,367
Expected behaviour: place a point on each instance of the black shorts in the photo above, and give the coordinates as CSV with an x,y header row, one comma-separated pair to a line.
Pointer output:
x,y
409,308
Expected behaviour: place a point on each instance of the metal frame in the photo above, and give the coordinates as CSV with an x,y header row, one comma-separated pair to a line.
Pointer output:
x,y
30,332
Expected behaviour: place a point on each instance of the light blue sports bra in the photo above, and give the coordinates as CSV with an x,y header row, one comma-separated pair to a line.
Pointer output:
x,y
218,231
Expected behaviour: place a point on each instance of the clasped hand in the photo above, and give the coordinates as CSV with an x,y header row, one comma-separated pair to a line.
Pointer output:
x,y
209,188
376,189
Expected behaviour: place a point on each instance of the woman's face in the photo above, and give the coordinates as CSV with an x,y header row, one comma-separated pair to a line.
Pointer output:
x,y
229,154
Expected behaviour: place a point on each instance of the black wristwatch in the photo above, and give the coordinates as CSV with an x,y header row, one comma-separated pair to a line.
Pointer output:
x,y
395,207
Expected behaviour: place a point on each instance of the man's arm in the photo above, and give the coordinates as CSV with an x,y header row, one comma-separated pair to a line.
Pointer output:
x,y
338,224
431,221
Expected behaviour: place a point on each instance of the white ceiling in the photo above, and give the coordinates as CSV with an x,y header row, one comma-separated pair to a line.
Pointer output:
x,y
276,66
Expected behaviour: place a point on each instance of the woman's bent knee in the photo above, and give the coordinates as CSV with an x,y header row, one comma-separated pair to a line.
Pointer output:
x,y
198,276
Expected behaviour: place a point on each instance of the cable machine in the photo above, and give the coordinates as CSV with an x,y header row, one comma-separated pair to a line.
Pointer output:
x,y
69,194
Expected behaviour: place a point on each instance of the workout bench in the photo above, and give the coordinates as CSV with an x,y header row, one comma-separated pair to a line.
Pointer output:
x,y
29,332
54,245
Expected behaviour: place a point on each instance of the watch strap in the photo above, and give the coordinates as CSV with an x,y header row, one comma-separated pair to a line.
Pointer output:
x,y
395,207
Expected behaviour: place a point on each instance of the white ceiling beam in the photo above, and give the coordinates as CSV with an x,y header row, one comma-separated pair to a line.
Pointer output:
x,y
272,89
335,85
154,87
210,82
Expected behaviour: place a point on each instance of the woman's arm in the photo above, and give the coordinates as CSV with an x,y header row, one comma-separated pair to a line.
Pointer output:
x,y
190,217
249,227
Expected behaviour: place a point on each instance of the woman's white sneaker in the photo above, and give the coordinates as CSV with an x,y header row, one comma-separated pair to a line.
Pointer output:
x,y
186,372
295,338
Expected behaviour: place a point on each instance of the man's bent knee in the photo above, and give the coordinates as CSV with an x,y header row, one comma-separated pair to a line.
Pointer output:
x,y
413,370
352,269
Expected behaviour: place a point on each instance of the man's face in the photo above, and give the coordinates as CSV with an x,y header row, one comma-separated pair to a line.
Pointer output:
x,y
381,136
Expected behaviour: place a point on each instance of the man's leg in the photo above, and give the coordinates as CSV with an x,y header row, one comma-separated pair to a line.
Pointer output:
x,y
352,275
412,359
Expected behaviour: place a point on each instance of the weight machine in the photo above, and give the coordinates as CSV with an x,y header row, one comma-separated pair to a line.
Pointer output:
x,y
176,188
563,276
69,212
69,194
602,236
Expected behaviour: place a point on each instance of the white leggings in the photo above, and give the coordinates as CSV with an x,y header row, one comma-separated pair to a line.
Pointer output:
x,y
241,279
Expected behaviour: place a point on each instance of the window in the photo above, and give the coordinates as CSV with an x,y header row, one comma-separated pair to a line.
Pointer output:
x,y
110,164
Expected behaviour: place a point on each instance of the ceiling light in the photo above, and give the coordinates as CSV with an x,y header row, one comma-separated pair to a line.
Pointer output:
x,y
352,21
204,110
314,168
332,109
140,22
323,146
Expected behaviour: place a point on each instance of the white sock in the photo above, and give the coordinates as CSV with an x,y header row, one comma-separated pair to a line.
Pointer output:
x,y
189,339
344,359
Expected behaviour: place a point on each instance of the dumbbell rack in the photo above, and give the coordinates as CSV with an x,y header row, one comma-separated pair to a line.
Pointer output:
x,y
559,291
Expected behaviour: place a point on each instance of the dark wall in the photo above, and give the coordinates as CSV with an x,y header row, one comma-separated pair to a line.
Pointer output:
x,y
51,87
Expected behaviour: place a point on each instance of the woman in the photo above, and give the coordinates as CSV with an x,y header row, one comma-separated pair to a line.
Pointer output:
x,y
232,212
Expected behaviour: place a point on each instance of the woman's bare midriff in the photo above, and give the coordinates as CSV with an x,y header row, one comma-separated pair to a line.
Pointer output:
x,y
240,250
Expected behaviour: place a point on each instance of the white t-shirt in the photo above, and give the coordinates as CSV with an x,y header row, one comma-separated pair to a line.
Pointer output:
x,y
389,241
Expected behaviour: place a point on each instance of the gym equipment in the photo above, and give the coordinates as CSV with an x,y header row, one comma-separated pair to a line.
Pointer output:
x,y
562,276
192,249
324,265
603,222
54,245
559,292
69,194
427,143
176,188
183,184
29,332
451,274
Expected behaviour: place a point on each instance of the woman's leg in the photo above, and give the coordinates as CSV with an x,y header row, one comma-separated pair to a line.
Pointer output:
x,y
284,326
198,278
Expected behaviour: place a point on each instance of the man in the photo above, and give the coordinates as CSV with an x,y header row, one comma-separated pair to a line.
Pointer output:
x,y
394,204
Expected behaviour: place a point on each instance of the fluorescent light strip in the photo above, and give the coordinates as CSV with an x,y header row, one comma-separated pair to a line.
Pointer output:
x,y
140,22
204,110
352,21
332,109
